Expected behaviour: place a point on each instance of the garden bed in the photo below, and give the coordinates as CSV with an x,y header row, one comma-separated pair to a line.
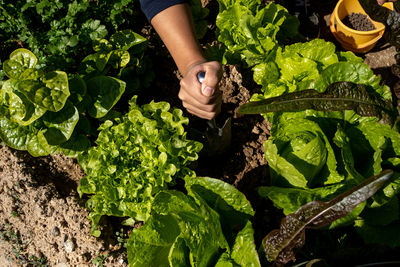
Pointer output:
x,y
43,221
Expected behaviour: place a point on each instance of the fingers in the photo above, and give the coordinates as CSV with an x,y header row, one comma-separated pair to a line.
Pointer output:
x,y
203,114
205,111
202,99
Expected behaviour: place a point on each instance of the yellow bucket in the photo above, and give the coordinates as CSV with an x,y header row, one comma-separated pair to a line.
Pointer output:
x,y
350,39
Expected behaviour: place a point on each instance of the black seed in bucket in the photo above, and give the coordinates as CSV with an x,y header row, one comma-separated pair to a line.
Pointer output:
x,y
359,22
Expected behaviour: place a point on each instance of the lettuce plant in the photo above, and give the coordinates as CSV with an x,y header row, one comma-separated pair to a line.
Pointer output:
x,y
316,153
251,31
252,5
50,112
136,157
28,100
313,65
210,226
280,245
122,57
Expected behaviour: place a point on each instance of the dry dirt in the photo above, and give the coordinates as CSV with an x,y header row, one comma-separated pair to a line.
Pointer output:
x,y
43,220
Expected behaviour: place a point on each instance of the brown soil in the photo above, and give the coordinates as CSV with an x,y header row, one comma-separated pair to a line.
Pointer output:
x,y
43,220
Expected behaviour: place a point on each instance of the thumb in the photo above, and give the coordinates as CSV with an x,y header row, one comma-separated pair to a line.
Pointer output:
x,y
209,83
207,90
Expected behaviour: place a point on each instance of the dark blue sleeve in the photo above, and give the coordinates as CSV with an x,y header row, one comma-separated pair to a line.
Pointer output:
x,y
151,8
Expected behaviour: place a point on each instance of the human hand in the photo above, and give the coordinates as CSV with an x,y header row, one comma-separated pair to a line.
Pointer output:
x,y
202,99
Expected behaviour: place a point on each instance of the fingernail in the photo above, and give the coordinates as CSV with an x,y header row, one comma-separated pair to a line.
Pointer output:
x,y
208,91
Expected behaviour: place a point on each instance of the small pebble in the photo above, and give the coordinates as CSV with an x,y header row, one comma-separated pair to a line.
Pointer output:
x,y
69,246
56,231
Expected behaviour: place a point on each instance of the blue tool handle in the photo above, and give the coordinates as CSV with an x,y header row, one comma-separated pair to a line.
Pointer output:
x,y
200,77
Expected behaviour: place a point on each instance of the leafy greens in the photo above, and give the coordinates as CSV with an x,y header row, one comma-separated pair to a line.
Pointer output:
x,y
136,157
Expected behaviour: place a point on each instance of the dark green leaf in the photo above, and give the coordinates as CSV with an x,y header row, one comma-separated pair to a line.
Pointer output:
x,y
126,39
77,87
105,91
60,125
73,147
119,58
378,234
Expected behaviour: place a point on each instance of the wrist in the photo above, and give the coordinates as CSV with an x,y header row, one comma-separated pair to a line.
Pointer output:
x,y
191,63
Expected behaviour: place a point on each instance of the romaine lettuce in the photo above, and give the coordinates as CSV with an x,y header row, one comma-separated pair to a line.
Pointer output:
x,y
197,229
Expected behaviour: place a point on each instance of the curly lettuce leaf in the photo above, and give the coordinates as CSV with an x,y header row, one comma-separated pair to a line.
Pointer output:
x,y
136,157
252,36
251,4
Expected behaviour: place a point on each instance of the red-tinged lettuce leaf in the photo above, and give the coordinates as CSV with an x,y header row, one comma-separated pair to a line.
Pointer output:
x,y
338,96
280,244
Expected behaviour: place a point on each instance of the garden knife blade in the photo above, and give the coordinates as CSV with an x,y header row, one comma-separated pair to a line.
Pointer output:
x,y
218,139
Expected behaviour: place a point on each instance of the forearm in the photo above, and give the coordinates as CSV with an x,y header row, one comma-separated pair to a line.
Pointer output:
x,y
175,27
